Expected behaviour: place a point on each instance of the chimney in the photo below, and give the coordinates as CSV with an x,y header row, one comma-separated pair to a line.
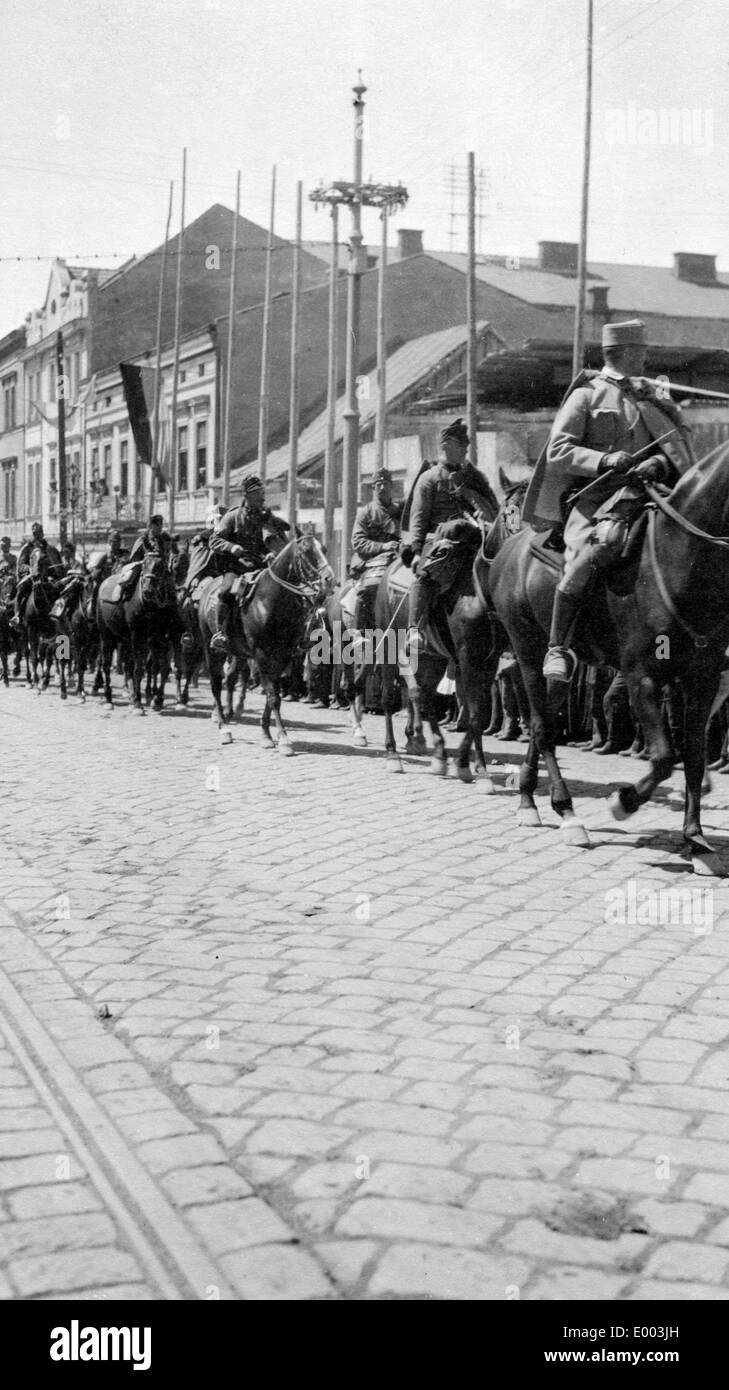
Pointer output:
x,y
599,296
559,256
694,267
409,242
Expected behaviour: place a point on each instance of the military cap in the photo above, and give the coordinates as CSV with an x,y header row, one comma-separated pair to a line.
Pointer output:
x,y
5,540
36,527
456,430
383,475
623,334
252,485
156,521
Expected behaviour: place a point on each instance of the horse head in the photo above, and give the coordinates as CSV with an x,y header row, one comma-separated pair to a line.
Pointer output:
x,y
508,519
312,566
155,582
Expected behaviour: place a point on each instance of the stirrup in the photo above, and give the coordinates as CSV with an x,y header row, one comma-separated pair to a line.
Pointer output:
x,y
414,642
559,664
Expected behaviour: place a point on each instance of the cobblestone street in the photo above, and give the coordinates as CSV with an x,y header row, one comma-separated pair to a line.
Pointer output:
x,y
297,1029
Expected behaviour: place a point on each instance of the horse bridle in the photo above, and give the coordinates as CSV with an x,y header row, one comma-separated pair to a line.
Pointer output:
x,y
308,588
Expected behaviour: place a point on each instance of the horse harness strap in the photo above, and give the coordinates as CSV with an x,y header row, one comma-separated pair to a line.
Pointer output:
x,y
699,640
307,591
681,521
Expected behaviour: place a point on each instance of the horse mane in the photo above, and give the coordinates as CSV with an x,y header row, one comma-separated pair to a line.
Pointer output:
x,y
705,486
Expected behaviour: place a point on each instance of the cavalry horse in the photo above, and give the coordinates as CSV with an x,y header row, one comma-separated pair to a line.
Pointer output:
x,y
267,626
40,629
10,643
74,621
466,634
671,626
140,625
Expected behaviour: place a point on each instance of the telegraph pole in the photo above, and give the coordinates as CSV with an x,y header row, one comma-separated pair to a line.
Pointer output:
x,y
578,345
356,195
62,488
176,362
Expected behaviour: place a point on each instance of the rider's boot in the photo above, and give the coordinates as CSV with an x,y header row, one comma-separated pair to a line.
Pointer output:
x,y
219,642
559,662
420,601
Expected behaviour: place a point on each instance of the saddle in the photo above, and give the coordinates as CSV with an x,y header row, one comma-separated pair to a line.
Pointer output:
x,y
244,586
620,574
437,638
128,577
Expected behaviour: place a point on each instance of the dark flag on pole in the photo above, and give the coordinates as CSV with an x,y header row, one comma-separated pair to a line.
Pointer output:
x,y
139,384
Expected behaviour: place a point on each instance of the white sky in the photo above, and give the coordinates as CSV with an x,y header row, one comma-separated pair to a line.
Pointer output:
x,y
101,95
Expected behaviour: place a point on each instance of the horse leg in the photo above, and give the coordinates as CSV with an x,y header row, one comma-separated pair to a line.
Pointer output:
x,y
390,682
697,705
474,683
645,698
544,705
272,690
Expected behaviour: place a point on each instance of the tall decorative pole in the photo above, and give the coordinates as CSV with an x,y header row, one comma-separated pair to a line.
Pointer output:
x,y
350,464
229,361
381,349
153,462
295,372
62,481
578,344
176,362
471,367
329,457
263,407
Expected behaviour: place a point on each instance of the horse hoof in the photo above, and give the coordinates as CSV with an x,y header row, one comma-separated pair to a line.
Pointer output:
x,y
464,774
64,694
416,747
575,834
706,865
623,803
485,785
706,785
528,815
393,763
267,743
359,739
285,748
439,767
226,736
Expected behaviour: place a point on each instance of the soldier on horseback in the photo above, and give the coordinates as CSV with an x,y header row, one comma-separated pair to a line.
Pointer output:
x,y
375,539
452,491
25,582
240,545
8,561
605,421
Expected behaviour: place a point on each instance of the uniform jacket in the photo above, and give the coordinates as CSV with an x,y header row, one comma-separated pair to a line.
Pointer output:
x,y
441,494
9,559
245,528
600,414
375,528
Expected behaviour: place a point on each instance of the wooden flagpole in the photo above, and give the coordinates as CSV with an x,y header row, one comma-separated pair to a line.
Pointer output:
x,y
176,364
158,356
229,362
294,396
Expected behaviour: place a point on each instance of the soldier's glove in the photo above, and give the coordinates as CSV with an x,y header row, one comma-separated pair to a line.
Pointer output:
x,y
414,563
654,469
237,551
619,462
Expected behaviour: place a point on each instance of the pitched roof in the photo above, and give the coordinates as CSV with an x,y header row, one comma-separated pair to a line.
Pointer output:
x,y
407,367
647,289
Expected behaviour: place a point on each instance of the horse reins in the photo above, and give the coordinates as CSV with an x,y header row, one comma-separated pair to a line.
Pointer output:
x,y
306,589
700,640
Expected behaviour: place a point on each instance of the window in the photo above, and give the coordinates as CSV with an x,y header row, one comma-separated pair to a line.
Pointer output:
x,y
8,489
137,474
107,469
182,458
201,453
53,489
9,387
124,468
201,369
182,378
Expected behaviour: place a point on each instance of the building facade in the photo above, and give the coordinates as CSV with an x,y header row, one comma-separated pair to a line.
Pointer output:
x,y
12,435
